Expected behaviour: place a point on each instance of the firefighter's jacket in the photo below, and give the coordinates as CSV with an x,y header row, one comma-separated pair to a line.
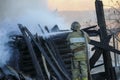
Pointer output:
x,y
77,43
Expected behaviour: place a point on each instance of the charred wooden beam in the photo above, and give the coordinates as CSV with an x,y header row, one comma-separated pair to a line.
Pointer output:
x,y
54,53
58,60
105,47
95,57
38,69
44,54
103,34
91,31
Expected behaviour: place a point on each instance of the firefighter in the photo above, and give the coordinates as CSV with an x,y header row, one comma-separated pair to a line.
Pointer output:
x,y
77,42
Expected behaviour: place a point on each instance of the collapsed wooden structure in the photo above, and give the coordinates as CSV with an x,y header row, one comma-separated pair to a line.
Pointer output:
x,y
49,58
46,58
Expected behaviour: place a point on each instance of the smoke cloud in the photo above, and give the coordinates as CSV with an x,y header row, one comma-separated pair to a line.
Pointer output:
x,y
13,8
26,12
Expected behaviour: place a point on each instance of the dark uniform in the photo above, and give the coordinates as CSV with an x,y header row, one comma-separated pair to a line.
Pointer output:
x,y
77,41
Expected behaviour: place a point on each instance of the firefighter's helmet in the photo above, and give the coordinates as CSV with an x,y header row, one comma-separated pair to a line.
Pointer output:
x,y
75,26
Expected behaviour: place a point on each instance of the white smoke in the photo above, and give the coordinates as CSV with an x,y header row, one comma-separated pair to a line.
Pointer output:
x,y
26,12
